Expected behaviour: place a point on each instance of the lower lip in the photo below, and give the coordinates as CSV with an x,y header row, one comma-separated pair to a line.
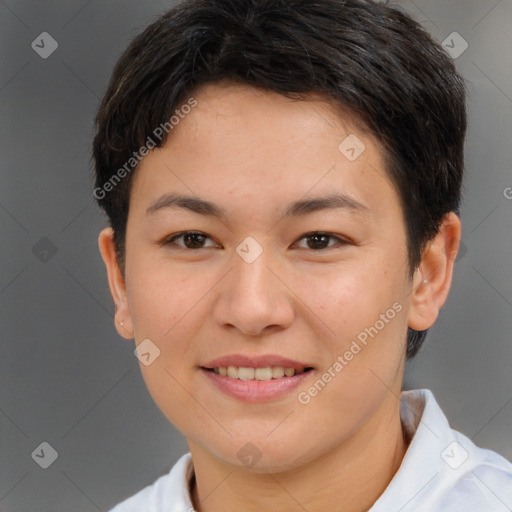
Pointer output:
x,y
256,390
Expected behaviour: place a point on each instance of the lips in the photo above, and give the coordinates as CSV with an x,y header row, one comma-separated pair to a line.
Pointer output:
x,y
246,377
256,361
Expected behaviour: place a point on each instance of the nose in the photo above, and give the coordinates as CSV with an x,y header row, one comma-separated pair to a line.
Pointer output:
x,y
254,297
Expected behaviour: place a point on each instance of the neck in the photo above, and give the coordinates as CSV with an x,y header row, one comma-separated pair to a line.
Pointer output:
x,y
352,475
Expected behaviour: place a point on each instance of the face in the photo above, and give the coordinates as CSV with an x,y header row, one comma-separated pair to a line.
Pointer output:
x,y
271,269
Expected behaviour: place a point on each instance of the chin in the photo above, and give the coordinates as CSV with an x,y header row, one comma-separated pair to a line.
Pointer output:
x,y
264,457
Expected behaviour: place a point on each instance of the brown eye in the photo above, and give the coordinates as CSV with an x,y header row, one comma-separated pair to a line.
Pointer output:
x,y
320,240
190,240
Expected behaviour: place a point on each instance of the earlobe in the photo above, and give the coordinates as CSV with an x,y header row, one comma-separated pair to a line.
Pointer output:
x,y
432,279
122,317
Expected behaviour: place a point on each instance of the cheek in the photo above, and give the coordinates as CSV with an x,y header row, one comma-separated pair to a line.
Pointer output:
x,y
160,294
350,297
364,310
165,307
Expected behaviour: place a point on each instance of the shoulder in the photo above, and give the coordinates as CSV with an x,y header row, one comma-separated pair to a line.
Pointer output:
x,y
169,492
443,470
474,478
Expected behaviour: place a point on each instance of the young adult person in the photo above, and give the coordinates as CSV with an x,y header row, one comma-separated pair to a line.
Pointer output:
x,y
282,180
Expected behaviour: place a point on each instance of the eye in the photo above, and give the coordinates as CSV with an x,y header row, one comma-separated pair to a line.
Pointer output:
x,y
318,240
191,240
194,240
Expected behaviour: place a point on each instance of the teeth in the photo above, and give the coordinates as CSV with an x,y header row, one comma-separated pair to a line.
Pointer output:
x,y
266,373
245,373
277,372
263,373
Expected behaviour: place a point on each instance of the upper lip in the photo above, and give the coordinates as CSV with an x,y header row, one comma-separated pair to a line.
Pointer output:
x,y
254,361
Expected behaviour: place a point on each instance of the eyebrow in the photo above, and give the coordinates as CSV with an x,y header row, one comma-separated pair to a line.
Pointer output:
x,y
298,208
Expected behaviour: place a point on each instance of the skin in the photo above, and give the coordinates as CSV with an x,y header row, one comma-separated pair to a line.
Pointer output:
x,y
253,153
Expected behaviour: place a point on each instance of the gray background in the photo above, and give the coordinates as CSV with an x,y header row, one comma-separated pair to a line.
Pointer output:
x,y
68,379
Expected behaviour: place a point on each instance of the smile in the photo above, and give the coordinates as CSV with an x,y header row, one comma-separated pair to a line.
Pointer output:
x,y
263,373
256,385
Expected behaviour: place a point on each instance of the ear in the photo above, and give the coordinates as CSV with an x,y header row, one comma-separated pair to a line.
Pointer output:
x,y
433,277
122,319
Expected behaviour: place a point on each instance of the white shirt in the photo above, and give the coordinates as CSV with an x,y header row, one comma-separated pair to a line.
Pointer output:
x,y
442,471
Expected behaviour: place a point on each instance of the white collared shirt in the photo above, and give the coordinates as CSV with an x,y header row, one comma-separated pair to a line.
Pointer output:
x,y
442,471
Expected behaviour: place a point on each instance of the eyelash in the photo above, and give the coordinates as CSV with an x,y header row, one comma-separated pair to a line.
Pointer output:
x,y
171,240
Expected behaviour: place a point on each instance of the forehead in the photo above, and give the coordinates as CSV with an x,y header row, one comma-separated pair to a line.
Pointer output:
x,y
227,105
239,141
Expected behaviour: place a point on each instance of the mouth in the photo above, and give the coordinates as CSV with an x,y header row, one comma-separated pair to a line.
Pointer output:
x,y
257,379
264,373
